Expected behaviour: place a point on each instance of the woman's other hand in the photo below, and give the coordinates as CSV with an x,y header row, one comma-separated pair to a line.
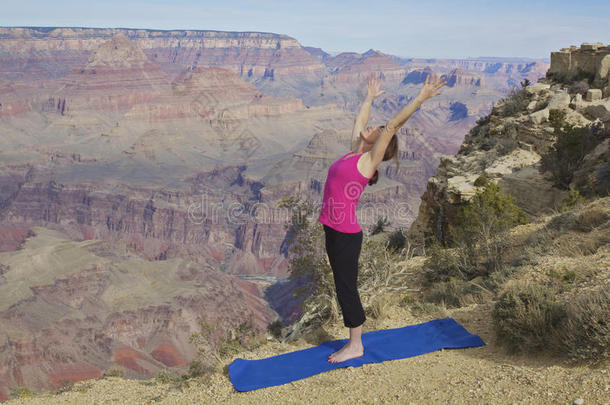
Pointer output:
x,y
431,87
374,84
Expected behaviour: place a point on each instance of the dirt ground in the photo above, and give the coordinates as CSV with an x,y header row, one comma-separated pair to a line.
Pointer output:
x,y
484,374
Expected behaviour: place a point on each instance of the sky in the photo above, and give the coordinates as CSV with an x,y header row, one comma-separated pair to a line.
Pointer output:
x,y
405,28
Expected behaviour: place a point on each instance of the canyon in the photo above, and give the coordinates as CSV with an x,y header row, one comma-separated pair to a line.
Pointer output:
x,y
141,172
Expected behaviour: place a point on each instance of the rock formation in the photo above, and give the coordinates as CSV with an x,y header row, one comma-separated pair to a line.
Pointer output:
x,y
530,131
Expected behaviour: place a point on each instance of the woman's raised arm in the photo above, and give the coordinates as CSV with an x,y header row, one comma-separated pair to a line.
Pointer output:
x,y
362,118
430,89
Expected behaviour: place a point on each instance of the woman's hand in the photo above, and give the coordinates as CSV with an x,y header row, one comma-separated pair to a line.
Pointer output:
x,y
374,84
431,87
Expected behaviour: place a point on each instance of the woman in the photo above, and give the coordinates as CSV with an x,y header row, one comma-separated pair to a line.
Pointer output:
x,y
345,182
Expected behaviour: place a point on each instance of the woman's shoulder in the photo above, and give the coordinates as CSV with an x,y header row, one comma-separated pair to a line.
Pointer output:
x,y
365,165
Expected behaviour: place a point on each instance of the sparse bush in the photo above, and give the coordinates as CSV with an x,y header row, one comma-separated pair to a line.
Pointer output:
x,y
569,77
590,219
397,240
585,335
476,237
484,120
382,222
378,306
564,277
572,145
214,346
275,328
506,146
515,103
166,376
456,293
198,368
526,317
309,267
113,372
428,308
442,264
572,200
21,392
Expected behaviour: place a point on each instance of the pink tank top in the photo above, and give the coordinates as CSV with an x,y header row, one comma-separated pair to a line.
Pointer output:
x,y
342,190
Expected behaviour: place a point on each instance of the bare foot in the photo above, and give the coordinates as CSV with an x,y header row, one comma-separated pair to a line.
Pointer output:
x,y
349,351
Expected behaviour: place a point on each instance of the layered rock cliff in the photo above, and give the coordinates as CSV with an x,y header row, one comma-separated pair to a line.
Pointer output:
x,y
507,145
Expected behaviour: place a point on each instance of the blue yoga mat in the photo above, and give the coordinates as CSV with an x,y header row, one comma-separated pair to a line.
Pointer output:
x,y
379,345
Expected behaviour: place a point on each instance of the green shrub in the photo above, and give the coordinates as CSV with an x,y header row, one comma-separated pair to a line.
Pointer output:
x,y
516,102
484,120
571,76
481,181
275,328
506,146
21,392
397,240
526,318
566,156
480,227
198,368
572,200
166,376
564,277
557,119
442,264
113,372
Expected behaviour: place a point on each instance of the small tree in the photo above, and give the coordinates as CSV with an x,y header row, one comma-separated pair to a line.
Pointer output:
x,y
309,266
480,227
567,154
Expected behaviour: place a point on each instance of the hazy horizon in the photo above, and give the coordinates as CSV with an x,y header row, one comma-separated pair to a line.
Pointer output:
x,y
404,28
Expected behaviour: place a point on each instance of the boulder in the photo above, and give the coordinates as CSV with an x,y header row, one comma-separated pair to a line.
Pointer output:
x,y
537,87
516,159
604,67
540,116
593,94
576,118
532,191
599,109
577,102
532,106
559,100
461,188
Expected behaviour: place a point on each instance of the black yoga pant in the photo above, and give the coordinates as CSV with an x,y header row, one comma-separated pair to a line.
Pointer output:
x,y
343,251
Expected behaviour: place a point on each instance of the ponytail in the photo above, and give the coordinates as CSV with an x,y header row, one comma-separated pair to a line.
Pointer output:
x,y
374,179
391,152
